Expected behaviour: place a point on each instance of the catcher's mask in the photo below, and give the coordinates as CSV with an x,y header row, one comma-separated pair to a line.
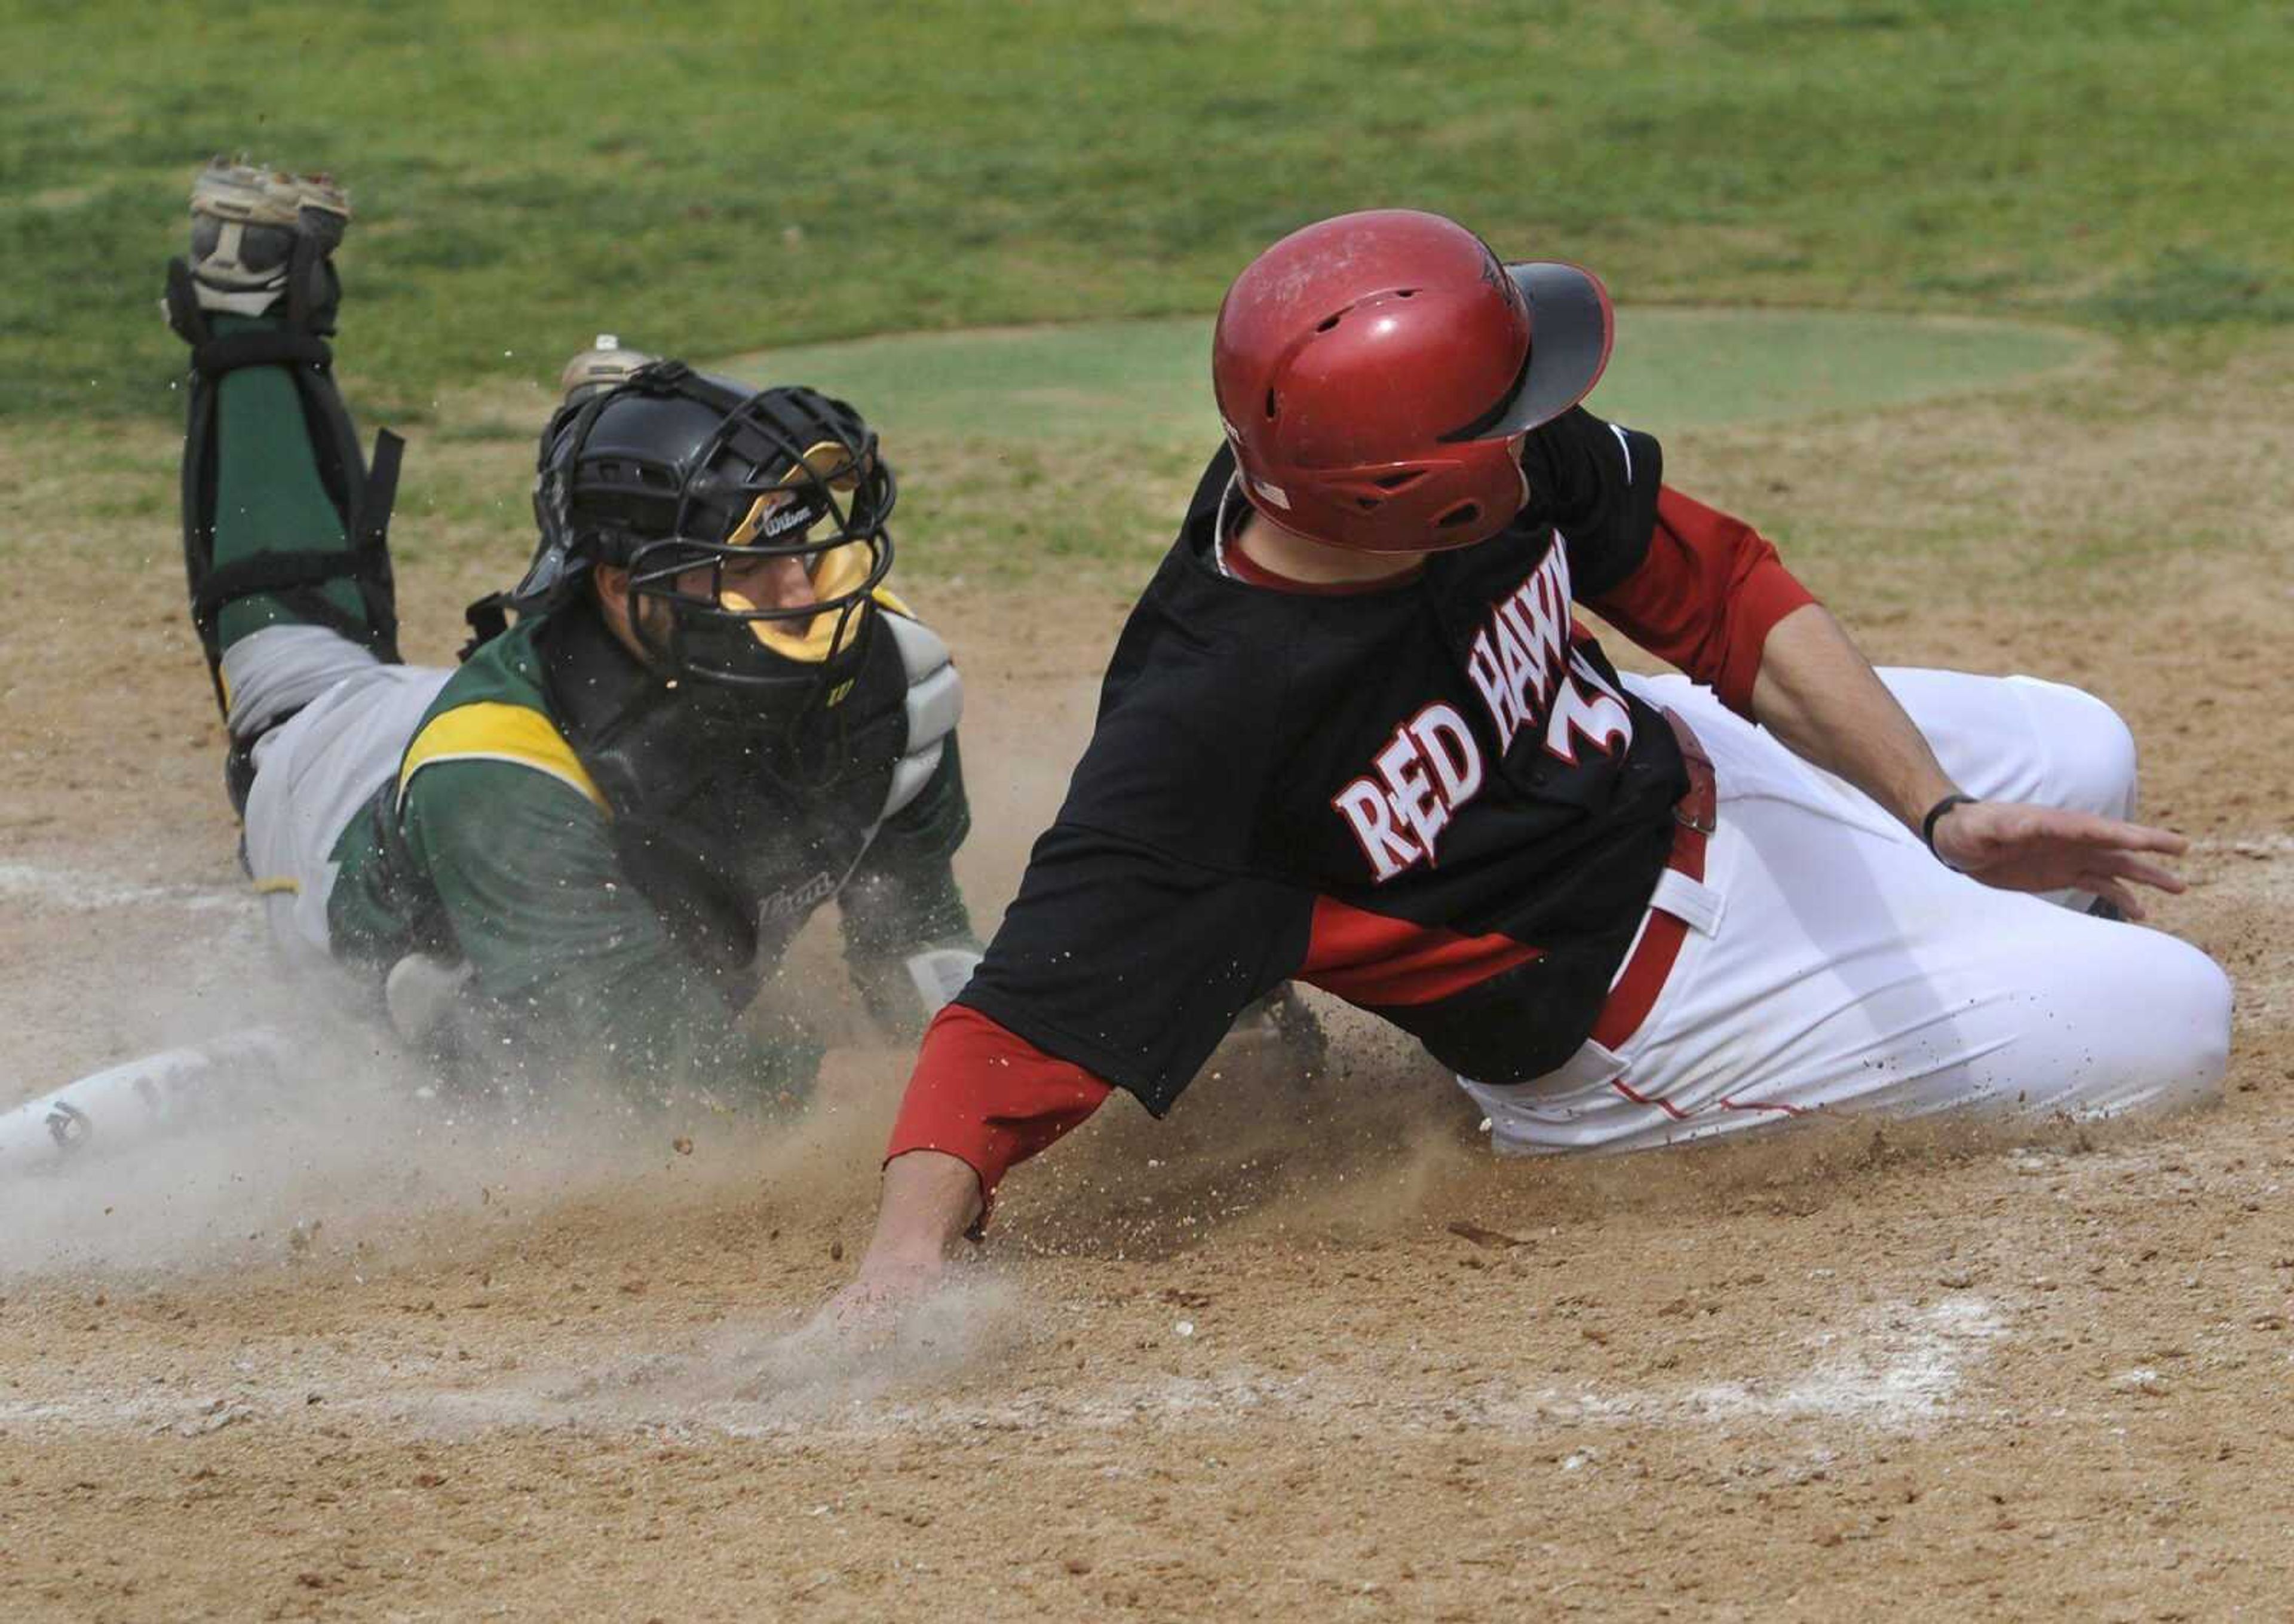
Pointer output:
x,y
674,476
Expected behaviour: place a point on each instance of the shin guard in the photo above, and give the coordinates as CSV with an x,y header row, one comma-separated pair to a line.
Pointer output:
x,y
345,587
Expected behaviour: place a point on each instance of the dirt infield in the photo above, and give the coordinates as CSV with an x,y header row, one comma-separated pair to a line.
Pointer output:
x,y
1292,1354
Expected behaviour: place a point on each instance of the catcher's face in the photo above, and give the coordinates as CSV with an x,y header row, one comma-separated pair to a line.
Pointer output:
x,y
744,584
757,583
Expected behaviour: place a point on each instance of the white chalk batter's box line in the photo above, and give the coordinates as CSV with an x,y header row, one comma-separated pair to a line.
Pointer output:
x,y
1899,1372
85,893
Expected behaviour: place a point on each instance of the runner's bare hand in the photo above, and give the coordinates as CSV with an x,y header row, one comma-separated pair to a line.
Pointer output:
x,y
2022,847
872,1308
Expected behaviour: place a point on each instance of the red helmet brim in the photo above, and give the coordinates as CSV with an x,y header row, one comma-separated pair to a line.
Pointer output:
x,y
1572,326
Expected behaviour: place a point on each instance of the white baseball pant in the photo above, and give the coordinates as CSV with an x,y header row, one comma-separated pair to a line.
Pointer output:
x,y
1834,966
349,719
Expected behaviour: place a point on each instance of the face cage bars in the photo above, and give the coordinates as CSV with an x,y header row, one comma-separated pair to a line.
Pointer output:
x,y
875,492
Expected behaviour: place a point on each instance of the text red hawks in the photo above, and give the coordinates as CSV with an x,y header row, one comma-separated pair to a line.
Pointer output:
x,y
1527,670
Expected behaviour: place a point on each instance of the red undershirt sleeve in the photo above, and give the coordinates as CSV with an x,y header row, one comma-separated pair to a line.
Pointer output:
x,y
986,1095
1705,597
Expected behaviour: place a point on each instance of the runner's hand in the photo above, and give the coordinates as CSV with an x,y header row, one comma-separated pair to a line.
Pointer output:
x,y
870,1309
2022,847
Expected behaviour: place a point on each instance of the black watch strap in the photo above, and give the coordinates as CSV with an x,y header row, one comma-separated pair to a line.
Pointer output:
x,y
1935,816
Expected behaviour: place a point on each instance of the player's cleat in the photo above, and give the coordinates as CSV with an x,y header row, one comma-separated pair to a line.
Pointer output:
x,y
258,294
246,224
600,367
262,245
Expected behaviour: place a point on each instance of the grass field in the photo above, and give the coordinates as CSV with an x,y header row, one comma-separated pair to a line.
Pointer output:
x,y
747,176
731,180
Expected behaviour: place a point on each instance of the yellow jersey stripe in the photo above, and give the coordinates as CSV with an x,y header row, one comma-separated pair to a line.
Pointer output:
x,y
491,731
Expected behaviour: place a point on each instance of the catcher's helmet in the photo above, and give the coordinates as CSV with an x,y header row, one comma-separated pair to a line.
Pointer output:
x,y
1373,368
668,472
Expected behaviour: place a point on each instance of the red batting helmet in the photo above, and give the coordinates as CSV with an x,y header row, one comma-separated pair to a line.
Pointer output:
x,y
1371,368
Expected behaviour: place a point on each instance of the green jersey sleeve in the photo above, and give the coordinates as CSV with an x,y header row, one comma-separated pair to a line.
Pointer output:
x,y
567,953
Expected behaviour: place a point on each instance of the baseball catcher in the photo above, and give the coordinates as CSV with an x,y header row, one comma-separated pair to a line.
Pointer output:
x,y
700,716
1354,734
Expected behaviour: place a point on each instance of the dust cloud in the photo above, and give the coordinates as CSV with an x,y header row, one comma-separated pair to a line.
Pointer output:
x,y
340,1147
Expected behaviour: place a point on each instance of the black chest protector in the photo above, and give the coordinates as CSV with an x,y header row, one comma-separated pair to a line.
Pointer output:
x,y
734,820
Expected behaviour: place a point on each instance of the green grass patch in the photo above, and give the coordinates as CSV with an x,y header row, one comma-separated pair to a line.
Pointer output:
x,y
1150,381
2184,288
726,175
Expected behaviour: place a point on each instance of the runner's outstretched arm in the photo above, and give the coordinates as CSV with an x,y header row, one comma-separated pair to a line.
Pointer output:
x,y
981,1100
1816,692
929,1199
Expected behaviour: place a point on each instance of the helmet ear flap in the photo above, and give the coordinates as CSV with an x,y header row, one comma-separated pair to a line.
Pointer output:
x,y
547,445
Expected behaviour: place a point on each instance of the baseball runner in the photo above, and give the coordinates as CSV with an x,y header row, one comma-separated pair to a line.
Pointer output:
x,y
586,847
1353,734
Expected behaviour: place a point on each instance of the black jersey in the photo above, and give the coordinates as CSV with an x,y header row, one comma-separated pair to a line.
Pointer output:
x,y
1434,798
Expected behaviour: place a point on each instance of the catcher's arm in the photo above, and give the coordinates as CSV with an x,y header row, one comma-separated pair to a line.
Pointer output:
x,y
565,952
907,936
